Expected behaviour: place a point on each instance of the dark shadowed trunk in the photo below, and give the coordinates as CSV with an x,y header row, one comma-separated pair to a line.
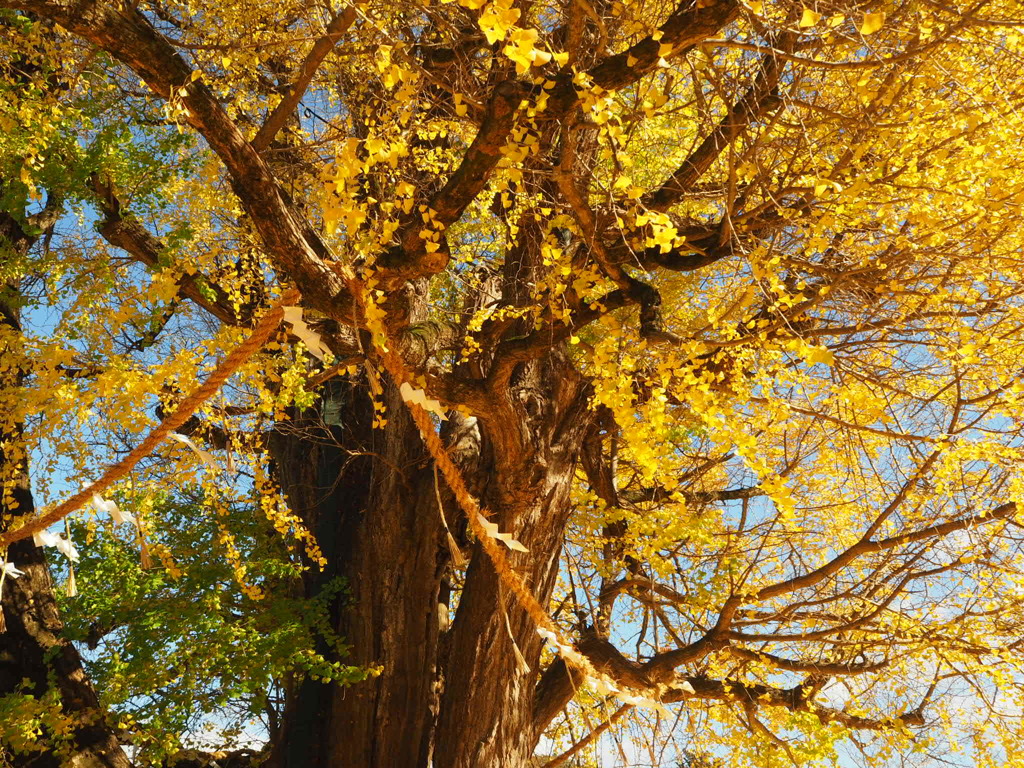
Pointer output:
x,y
370,496
458,697
36,659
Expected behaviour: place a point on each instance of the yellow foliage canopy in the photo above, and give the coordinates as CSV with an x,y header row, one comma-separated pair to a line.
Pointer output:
x,y
730,294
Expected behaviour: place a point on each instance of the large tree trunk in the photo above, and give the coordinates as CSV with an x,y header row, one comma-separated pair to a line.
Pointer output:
x,y
393,577
488,710
455,698
36,659
370,496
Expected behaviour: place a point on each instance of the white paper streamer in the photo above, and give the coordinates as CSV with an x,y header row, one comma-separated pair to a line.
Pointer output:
x,y
644,701
6,569
110,507
309,337
413,395
603,686
563,650
44,539
65,546
686,687
494,533
204,456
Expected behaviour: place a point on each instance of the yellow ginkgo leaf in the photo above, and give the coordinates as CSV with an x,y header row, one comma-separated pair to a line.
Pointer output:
x,y
539,57
872,23
809,18
819,355
496,20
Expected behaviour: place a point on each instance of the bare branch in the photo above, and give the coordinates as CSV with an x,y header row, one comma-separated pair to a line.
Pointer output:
x,y
794,699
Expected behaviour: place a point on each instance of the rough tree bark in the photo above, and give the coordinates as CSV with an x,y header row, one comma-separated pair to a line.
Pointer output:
x,y
455,697
369,495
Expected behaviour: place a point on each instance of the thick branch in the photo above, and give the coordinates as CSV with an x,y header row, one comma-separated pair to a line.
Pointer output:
x,y
275,122
1002,512
646,295
794,699
412,259
133,238
128,36
647,495
555,689
690,24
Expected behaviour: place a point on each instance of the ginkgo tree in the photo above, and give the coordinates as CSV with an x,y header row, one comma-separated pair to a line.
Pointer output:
x,y
594,382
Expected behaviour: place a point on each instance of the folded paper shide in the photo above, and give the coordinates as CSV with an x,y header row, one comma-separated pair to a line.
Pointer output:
x,y
504,538
309,337
63,545
7,570
417,396
204,456
110,507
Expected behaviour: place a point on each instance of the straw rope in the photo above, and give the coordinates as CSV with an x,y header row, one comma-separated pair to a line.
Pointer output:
x,y
508,575
235,359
